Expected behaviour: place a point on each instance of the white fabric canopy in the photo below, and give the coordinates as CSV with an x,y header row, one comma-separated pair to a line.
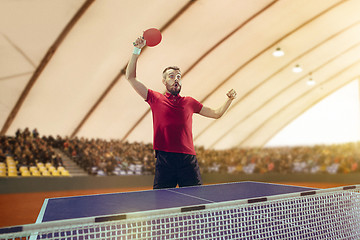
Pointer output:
x,y
62,63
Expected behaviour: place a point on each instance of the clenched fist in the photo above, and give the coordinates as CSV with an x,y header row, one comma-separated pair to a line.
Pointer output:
x,y
231,94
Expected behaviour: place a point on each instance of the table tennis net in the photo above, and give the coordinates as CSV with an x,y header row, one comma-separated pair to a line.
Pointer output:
x,y
321,214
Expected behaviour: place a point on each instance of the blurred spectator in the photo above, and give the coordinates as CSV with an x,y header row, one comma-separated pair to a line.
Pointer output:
x,y
28,149
114,157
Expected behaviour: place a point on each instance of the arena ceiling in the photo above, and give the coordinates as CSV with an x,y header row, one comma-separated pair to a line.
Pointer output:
x,y
62,63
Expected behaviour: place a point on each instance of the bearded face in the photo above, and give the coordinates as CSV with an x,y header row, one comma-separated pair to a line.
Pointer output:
x,y
174,88
172,81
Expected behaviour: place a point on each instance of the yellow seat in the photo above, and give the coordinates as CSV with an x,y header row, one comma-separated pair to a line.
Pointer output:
x,y
12,169
36,174
42,169
46,173
10,162
23,169
11,165
65,173
47,165
12,174
33,168
39,164
25,174
51,168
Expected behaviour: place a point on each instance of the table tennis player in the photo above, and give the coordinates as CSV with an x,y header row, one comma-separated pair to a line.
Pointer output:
x,y
176,162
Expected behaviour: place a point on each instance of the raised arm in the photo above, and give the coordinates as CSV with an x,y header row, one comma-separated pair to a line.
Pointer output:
x,y
217,113
139,87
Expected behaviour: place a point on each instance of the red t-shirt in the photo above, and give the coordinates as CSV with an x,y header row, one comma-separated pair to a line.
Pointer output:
x,y
172,121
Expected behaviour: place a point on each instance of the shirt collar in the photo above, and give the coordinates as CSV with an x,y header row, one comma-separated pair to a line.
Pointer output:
x,y
171,97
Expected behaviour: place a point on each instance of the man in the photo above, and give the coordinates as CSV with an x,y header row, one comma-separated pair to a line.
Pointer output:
x,y
176,162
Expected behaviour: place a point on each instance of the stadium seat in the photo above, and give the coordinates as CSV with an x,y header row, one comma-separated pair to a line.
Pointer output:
x,y
55,173
46,173
65,173
33,168
47,165
12,174
60,168
23,169
11,164
40,164
25,174
101,173
36,174
12,171
51,168
42,169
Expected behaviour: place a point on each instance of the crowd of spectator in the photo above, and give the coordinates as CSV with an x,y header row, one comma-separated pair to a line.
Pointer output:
x,y
109,157
337,158
28,149
113,157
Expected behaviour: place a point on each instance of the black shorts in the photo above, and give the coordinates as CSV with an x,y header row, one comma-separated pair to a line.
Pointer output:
x,y
174,169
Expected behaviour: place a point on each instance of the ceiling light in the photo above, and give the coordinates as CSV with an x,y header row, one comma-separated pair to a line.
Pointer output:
x,y
297,68
278,52
310,82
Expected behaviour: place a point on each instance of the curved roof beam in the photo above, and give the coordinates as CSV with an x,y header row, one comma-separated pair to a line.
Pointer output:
x,y
296,99
47,58
268,101
19,50
266,49
259,54
202,57
16,75
310,106
120,74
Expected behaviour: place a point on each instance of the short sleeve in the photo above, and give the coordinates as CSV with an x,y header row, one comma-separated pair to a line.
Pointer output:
x,y
197,106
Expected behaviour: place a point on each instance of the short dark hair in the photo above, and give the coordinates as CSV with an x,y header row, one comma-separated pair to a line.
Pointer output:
x,y
172,67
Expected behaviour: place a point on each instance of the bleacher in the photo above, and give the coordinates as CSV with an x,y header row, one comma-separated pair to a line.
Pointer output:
x,y
48,156
9,169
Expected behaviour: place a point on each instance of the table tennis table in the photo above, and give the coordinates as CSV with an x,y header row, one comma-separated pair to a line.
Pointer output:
x,y
128,202
241,210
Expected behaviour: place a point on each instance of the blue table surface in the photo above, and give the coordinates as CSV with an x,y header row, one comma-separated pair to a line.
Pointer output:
x,y
127,202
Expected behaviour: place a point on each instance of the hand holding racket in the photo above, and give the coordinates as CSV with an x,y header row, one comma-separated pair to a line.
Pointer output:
x,y
140,42
151,37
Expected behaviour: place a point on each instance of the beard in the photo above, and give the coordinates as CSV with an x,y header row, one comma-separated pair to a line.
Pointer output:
x,y
174,89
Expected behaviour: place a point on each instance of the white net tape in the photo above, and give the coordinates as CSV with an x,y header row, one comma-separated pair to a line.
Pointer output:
x,y
324,215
